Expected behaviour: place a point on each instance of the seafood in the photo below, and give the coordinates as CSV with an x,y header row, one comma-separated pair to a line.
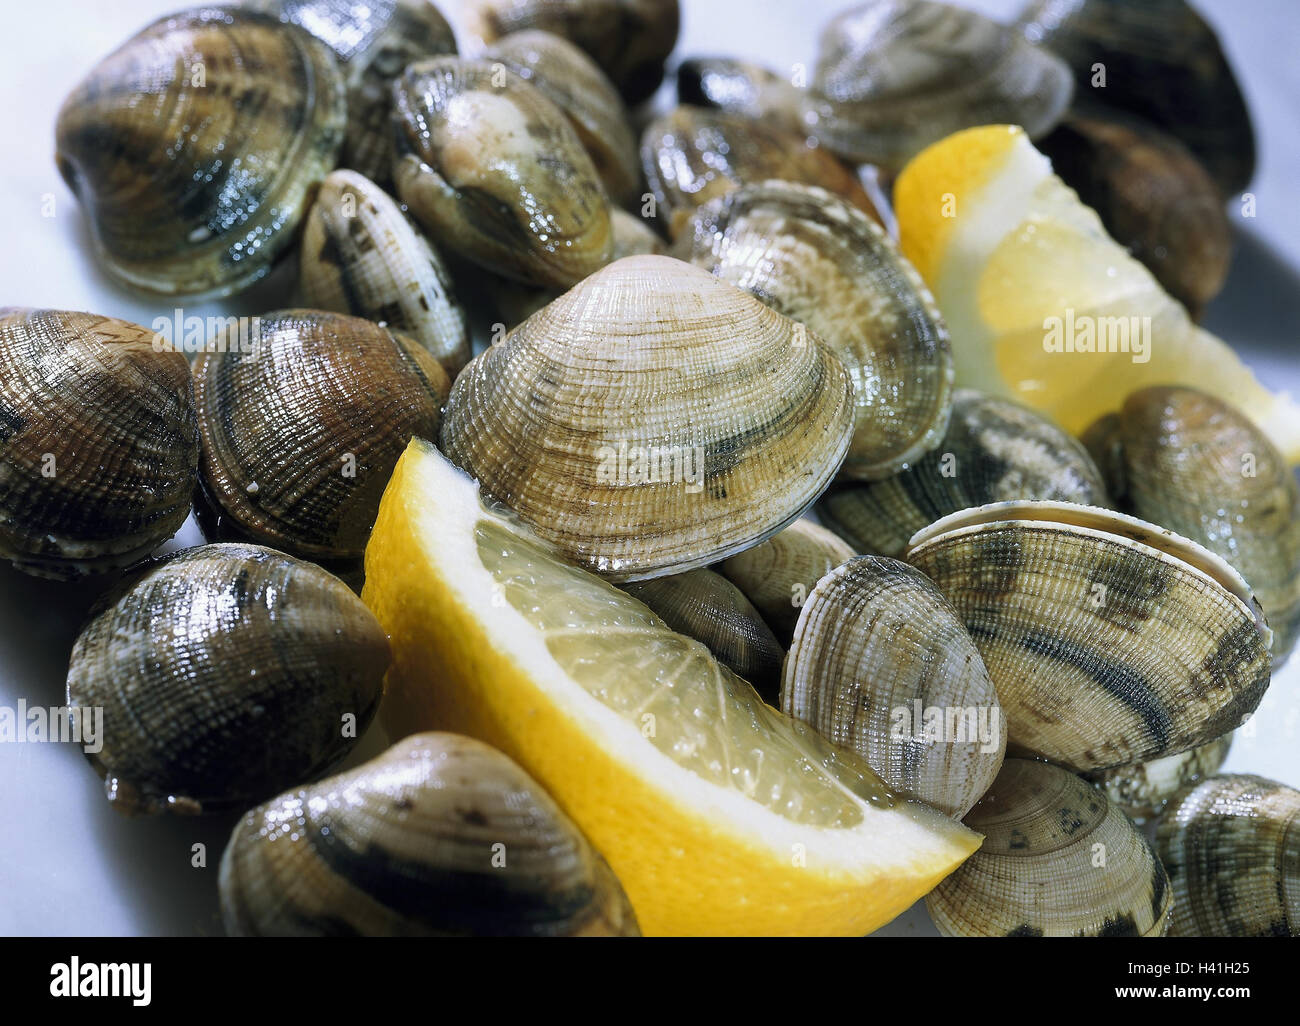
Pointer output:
x,y
1143,789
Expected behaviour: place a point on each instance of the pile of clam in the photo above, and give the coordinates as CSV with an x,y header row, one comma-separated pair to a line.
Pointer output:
x,y
1101,613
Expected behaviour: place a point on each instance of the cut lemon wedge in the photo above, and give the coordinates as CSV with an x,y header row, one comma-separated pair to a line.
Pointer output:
x,y
718,814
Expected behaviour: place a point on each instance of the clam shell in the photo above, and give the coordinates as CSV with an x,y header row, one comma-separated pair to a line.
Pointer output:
x,y
651,420
225,673
99,446
1058,860
493,170
1232,847
361,256
816,259
881,664
194,147
1109,640
741,87
994,450
1143,789
441,835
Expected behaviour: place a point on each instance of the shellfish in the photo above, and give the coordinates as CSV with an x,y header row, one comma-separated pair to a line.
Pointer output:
x,y
1143,789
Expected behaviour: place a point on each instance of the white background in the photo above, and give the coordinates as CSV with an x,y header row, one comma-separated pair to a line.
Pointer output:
x,y
68,864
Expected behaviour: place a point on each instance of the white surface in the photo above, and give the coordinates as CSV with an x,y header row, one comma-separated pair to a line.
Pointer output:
x,y
68,864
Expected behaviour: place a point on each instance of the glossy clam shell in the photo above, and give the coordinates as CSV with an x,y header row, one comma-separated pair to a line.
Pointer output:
x,y
1058,860
741,87
994,450
412,843
225,673
574,83
362,256
197,188
1109,640
493,170
820,261
693,154
373,40
896,75
1232,847
651,420
98,442
301,433
881,664
1143,789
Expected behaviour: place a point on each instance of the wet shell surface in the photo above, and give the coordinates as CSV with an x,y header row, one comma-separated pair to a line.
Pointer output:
x,y
896,75
741,87
374,40
778,575
822,262
652,420
99,445
693,154
706,606
573,82
994,450
881,664
1058,860
1232,847
1143,789
439,836
225,673
493,170
301,431
195,146
362,256
1109,640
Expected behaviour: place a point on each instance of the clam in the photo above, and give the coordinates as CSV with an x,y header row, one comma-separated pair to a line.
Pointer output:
x,y
1058,860
692,154
362,256
706,606
652,419
1232,847
225,673
195,146
881,664
1192,463
494,171
571,80
894,76
99,446
994,450
441,835
373,41
741,87
1109,640
1143,789
822,262
301,432
628,39
778,575
1158,60
1154,198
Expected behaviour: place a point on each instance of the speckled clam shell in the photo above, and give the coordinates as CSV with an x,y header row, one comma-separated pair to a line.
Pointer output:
x,y
574,83
1143,789
694,154
1109,640
439,836
1058,860
195,146
881,664
653,419
302,431
493,170
822,262
1198,466
706,606
373,40
994,450
362,256
741,87
1232,847
225,673
99,446
896,75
